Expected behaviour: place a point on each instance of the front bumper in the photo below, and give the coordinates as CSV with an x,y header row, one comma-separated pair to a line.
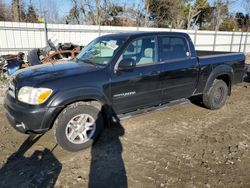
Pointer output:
x,y
29,119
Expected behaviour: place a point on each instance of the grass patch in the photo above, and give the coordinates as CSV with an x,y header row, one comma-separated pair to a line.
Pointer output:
x,y
3,79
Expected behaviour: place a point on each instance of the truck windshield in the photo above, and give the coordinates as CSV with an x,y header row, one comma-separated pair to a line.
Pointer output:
x,y
101,50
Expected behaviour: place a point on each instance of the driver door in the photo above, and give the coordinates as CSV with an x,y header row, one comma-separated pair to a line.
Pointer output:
x,y
138,86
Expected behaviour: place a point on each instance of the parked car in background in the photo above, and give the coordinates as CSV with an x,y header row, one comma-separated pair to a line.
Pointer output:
x,y
115,77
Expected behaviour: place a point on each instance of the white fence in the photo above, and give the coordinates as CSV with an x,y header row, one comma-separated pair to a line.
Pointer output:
x,y
16,37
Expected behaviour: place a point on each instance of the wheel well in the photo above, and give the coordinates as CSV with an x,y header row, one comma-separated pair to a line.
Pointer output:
x,y
227,80
98,104
92,102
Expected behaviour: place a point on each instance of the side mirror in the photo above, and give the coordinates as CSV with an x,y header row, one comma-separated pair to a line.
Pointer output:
x,y
126,64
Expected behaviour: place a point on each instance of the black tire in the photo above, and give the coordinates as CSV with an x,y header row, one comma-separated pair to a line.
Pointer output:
x,y
66,116
248,75
216,96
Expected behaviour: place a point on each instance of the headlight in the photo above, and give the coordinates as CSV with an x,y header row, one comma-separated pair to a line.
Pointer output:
x,y
34,96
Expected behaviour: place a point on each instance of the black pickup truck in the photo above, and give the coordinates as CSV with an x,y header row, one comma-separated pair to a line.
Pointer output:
x,y
114,77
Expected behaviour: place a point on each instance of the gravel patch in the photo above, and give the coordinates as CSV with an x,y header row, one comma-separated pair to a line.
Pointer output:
x,y
3,88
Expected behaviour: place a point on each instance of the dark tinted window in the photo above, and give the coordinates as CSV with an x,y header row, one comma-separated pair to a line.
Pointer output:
x,y
142,51
172,48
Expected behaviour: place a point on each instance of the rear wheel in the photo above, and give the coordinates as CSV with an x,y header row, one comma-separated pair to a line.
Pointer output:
x,y
216,97
78,126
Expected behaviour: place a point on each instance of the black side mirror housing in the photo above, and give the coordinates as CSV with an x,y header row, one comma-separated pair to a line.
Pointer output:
x,y
126,64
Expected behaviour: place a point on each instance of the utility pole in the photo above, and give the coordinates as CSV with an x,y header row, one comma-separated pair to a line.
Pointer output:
x,y
43,13
46,29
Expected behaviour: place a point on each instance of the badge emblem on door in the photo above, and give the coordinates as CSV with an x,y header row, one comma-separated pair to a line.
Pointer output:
x,y
124,94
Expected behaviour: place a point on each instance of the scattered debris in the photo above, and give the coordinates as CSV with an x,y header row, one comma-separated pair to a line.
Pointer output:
x,y
11,63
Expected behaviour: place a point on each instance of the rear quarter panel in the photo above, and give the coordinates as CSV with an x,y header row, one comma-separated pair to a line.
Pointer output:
x,y
216,65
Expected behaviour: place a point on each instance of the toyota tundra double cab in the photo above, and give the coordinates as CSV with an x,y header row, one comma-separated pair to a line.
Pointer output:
x,y
114,77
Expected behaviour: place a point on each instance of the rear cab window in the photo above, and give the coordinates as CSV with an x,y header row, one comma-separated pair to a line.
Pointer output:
x,y
172,48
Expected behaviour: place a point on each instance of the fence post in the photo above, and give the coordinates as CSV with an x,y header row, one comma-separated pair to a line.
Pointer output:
x,y
241,37
5,33
99,29
195,36
232,42
215,38
46,33
246,39
14,38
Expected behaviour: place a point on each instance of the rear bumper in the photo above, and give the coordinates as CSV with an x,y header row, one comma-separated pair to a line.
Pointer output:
x,y
29,119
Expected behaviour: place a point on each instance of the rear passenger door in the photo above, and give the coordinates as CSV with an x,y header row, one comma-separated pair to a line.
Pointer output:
x,y
180,70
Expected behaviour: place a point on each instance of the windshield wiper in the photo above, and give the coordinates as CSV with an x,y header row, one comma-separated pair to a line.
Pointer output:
x,y
89,62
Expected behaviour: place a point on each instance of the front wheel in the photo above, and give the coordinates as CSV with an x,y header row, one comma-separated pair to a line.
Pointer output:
x,y
78,126
216,97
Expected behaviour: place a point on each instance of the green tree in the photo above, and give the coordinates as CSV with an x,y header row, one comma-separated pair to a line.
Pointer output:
x,y
228,25
242,21
220,13
74,15
178,14
160,11
31,14
195,12
205,17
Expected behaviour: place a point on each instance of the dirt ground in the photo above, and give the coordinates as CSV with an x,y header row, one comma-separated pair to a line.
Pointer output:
x,y
185,146
248,58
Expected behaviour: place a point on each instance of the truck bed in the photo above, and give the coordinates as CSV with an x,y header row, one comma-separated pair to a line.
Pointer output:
x,y
213,57
209,60
201,53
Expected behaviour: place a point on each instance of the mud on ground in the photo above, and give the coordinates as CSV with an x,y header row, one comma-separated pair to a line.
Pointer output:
x,y
186,146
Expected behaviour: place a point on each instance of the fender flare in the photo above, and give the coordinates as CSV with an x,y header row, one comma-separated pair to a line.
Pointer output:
x,y
219,71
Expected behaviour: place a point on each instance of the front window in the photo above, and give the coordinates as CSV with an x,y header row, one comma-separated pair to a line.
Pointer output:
x,y
101,50
142,51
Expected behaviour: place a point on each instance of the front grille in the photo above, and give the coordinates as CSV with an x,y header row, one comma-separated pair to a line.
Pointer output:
x,y
12,89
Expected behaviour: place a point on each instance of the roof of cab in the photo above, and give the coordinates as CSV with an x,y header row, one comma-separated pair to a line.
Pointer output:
x,y
144,33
